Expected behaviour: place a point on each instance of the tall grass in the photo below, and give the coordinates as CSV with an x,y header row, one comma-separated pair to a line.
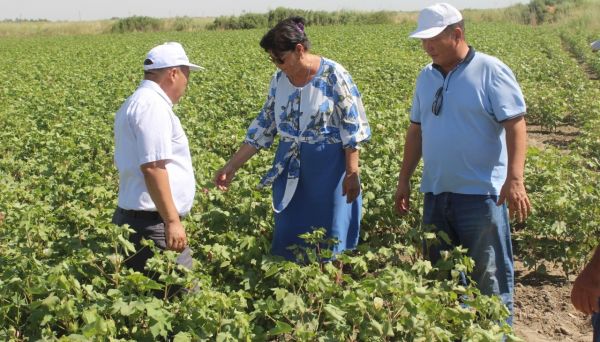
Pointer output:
x,y
585,17
60,28
518,13
185,24
49,28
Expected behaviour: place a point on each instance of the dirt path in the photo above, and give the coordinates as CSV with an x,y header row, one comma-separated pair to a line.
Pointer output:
x,y
560,138
543,310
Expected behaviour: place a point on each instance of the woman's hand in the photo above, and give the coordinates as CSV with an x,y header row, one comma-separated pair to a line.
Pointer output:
x,y
223,177
351,187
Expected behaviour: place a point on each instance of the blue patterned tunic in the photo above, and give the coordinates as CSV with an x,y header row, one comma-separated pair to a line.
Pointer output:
x,y
315,123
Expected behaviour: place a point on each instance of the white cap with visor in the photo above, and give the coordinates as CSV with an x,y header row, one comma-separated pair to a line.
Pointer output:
x,y
168,55
434,19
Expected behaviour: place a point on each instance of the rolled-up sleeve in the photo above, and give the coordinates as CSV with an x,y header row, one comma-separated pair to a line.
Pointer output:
x,y
354,130
263,129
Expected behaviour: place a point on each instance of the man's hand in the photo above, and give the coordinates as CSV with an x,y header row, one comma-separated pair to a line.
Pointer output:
x,y
175,236
402,198
513,191
351,187
586,290
157,182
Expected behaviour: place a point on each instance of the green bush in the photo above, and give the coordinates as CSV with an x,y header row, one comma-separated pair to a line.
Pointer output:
x,y
548,11
136,24
183,24
320,18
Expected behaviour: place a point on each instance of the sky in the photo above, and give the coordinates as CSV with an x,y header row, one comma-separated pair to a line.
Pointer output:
x,y
77,10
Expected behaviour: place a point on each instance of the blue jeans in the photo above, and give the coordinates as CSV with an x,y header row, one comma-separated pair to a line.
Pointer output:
x,y
478,224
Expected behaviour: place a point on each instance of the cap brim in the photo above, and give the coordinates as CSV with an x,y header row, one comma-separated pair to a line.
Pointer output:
x,y
194,67
596,45
428,33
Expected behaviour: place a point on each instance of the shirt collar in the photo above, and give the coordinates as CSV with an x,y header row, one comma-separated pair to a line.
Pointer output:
x,y
154,86
468,58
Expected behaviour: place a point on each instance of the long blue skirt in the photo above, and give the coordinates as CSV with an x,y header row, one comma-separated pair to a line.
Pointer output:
x,y
317,201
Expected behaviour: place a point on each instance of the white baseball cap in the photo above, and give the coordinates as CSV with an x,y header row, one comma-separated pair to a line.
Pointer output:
x,y
434,19
596,46
168,55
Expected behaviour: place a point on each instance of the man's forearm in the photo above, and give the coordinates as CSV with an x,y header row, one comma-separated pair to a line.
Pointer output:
x,y
156,178
516,144
412,153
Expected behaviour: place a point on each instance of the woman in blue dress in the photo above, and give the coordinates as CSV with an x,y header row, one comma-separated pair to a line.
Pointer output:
x,y
316,109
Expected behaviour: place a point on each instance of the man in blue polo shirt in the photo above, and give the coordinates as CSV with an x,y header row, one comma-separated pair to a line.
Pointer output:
x,y
467,122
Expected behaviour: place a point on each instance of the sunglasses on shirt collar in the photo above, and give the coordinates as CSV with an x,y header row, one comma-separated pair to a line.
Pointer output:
x,y
438,99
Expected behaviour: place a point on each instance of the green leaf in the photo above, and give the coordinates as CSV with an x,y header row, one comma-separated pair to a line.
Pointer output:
x,y
377,326
273,269
51,301
182,337
75,338
127,245
90,316
280,328
334,312
422,267
125,309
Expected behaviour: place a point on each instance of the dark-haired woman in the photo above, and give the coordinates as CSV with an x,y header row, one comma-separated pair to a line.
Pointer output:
x,y
316,109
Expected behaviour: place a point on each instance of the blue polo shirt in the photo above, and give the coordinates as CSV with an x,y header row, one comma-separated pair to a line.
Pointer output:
x,y
464,146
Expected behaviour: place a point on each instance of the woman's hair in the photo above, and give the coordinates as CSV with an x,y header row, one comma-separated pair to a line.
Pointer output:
x,y
285,36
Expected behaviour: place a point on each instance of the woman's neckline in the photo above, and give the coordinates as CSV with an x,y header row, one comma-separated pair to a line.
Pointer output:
x,y
317,73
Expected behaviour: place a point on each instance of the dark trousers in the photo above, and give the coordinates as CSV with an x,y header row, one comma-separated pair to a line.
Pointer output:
x,y
149,226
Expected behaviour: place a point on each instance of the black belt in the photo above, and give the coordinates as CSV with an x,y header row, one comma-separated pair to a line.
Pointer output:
x,y
143,214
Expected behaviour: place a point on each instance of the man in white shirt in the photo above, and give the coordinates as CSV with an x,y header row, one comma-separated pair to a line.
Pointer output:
x,y
156,178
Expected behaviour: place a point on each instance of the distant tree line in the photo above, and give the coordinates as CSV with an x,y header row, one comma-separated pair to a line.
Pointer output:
x,y
536,12
269,19
18,20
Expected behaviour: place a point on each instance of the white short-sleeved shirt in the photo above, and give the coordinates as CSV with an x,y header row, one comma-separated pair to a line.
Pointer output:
x,y
147,130
464,146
